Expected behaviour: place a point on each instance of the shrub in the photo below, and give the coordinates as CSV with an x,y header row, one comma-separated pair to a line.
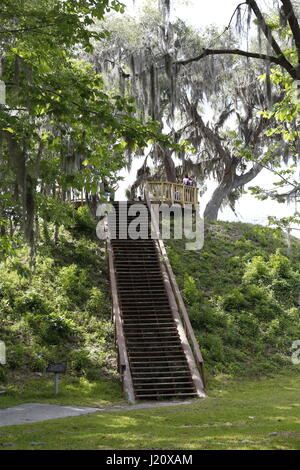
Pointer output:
x,y
257,271
84,221
74,282
98,303
36,362
31,301
80,361
234,301
15,356
246,314
52,328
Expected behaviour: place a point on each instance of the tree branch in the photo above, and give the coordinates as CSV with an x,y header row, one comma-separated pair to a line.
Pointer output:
x,y
4,30
276,60
241,180
265,28
212,137
293,22
279,59
270,38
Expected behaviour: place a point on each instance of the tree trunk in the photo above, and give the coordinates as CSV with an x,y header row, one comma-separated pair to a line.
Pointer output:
x,y
30,213
56,234
92,203
213,206
230,182
169,166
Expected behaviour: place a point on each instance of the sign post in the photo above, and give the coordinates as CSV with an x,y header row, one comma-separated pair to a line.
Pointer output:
x,y
56,383
56,368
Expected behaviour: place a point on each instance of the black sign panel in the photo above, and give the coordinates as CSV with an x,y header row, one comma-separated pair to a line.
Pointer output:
x,y
57,367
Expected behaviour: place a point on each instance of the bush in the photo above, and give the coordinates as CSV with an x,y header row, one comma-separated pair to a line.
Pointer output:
x,y
36,362
234,301
31,301
52,328
16,356
241,293
80,361
257,271
3,374
84,222
73,281
97,303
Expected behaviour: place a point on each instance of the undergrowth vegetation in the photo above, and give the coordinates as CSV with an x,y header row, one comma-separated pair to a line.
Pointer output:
x,y
242,293
58,309
241,290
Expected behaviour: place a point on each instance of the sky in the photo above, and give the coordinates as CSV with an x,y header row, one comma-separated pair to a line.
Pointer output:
x,y
199,13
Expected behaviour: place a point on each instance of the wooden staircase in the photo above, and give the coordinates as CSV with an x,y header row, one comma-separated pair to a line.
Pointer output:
x,y
155,358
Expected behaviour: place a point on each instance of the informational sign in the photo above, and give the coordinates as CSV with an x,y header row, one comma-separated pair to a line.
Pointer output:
x,y
57,367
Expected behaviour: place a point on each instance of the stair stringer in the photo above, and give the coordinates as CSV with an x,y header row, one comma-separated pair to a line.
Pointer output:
x,y
195,373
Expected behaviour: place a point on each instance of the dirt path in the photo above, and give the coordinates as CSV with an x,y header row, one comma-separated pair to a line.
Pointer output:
x,y
35,412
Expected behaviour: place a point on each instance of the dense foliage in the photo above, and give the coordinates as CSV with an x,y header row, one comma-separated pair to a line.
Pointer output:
x,y
61,309
242,293
60,128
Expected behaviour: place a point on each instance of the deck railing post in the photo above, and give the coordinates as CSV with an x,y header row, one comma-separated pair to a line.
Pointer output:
x,y
162,191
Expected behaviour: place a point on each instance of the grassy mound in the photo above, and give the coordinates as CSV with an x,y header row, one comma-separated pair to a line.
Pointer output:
x,y
59,309
241,291
242,294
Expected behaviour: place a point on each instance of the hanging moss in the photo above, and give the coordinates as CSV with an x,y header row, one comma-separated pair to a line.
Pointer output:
x,y
154,93
133,72
171,86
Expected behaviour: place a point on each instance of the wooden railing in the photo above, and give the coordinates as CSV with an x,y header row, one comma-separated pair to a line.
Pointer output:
x,y
172,192
71,195
78,197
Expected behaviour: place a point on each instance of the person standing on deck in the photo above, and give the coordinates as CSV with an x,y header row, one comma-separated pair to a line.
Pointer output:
x,y
185,180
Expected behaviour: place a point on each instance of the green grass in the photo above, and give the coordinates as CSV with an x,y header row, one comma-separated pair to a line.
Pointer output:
x,y
72,391
235,411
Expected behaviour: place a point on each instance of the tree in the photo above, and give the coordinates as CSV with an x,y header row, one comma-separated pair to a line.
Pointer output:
x,y
287,14
142,57
59,126
282,37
